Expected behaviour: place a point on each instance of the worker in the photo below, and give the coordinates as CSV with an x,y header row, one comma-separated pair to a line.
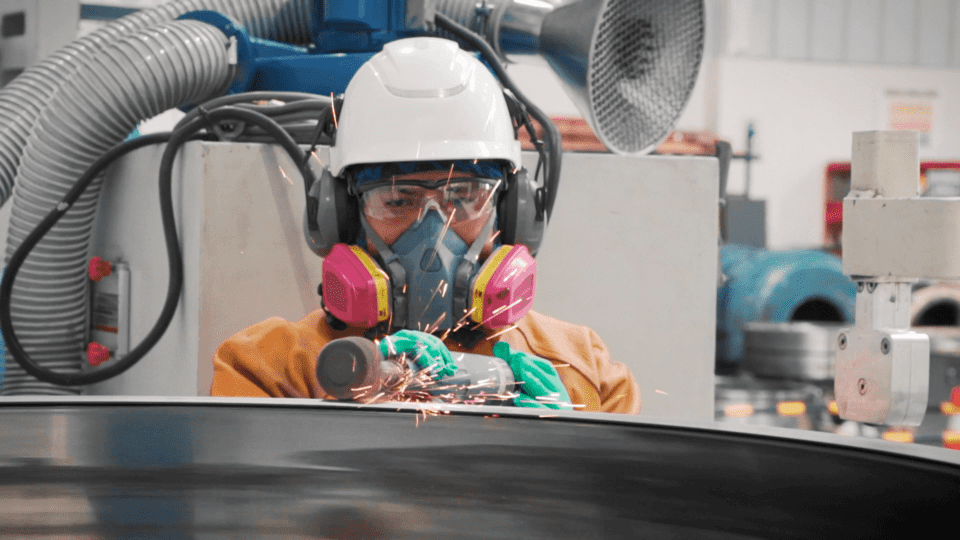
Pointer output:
x,y
426,151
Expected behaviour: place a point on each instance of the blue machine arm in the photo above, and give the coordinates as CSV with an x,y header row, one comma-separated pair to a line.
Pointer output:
x,y
346,34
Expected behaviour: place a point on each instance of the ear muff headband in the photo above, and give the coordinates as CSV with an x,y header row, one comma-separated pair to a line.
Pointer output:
x,y
332,214
520,220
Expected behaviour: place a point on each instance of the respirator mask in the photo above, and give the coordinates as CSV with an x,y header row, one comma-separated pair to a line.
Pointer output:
x,y
426,276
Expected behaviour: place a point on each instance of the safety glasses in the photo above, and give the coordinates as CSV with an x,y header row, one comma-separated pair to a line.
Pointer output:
x,y
463,199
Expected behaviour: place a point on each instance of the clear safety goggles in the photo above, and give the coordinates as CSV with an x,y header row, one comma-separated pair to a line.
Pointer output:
x,y
463,199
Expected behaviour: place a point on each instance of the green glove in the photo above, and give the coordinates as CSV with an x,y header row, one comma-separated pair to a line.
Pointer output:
x,y
425,349
539,378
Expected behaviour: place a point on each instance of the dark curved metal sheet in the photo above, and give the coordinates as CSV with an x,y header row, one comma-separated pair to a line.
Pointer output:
x,y
215,468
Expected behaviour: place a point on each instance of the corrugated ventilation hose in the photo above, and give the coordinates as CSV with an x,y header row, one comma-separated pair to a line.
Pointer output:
x,y
62,114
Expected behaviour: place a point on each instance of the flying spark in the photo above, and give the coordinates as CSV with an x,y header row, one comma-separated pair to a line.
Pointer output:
x,y
505,330
285,177
661,392
443,232
449,175
501,309
390,346
463,320
334,110
492,191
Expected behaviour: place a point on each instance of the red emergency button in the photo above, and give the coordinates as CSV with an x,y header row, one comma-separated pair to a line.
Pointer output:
x,y
99,268
955,396
97,353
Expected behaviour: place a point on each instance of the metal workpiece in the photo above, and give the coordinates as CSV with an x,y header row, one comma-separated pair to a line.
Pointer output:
x,y
883,371
804,351
289,468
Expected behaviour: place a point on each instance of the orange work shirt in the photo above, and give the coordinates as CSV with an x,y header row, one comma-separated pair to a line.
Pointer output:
x,y
277,358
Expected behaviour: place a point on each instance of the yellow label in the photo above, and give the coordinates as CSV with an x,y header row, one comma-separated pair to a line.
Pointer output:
x,y
480,287
379,281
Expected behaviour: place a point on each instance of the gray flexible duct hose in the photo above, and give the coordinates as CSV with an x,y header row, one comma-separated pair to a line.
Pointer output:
x,y
104,99
49,302
22,101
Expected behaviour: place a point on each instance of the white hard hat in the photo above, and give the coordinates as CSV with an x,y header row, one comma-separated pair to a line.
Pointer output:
x,y
423,99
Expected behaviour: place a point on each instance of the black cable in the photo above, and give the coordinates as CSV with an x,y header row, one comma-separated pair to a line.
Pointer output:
x,y
551,134
20,255
175,140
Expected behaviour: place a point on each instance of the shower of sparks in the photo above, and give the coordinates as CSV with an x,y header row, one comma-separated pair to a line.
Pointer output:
x,y
334,111
435,325
463,320
661,392
432,396
505,330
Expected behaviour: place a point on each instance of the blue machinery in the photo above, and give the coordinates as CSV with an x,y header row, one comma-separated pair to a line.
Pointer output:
x,y
778,287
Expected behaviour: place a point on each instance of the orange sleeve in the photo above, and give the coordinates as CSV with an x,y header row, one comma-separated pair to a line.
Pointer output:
x,y
619,391
269,359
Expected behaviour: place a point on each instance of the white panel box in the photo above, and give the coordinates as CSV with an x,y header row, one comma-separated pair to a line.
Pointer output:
x,y
631,251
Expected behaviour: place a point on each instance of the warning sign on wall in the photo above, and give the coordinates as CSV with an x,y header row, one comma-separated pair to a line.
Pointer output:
x,y
911,109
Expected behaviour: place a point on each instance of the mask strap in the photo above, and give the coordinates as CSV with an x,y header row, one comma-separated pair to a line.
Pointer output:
x,y
465,271
398,276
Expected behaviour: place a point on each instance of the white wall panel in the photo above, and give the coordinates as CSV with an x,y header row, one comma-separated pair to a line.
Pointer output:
x,y
898,32
791,25
863,30
828,30
933,40
954,43
762,23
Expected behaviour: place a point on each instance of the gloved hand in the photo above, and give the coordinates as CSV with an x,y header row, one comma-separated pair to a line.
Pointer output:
x,y
539,377
425,349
